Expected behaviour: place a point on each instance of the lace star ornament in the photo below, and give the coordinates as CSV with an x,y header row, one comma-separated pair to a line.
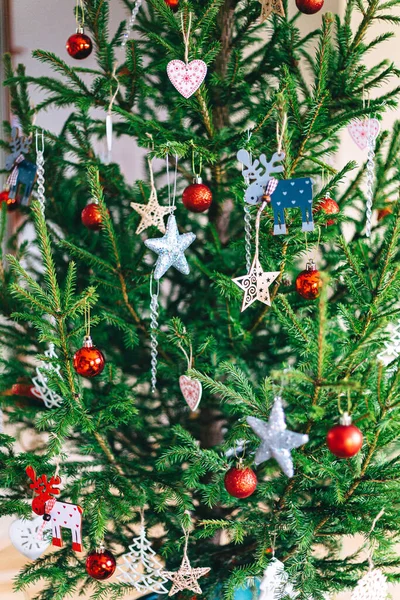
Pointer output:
x,y
373,586
276,440
186,577
152,213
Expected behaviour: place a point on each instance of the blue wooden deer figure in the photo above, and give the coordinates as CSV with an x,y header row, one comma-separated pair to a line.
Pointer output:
x,y
23,172
289,193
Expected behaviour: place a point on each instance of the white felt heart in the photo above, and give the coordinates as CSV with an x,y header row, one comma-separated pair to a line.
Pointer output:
x,y
191,390
24,537
187,78
361,129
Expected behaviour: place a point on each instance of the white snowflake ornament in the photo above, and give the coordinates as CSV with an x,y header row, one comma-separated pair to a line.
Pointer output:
x,y
141,568
275,584
41,390
373,586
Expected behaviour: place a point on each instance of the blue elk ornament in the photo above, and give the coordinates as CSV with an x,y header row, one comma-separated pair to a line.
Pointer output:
x,y
289,193
23,173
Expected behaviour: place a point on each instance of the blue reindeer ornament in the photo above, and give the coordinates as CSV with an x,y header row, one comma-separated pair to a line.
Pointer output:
x,y
23,173
289,193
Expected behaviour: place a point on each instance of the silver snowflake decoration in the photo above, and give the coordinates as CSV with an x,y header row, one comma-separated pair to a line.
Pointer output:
x,y
41,390
141,568
275,584
276,441
170,249
373,586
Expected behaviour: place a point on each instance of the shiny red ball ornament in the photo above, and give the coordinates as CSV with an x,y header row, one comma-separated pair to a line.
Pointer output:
x,y
173,4
100,564
23,389
91,216
344,440
330,207
309,7
79,45
240,482
12,203
89,360
197,197
308,283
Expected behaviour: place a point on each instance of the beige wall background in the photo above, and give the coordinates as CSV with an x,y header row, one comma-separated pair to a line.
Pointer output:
x,y
46,24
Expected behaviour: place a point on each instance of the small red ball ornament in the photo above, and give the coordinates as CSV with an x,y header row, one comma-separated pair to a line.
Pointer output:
x,y
173,4
12,203
344,440
89,360
330,207
309,7
197,197
79,45
240,482
308,283
100,564
91,216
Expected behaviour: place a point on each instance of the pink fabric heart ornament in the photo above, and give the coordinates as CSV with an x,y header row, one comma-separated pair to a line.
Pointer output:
x,y
191,390
187,78
361,129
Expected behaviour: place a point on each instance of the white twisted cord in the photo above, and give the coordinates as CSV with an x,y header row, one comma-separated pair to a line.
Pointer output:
x,y
247,235
153,340
131,22
40,172
370,181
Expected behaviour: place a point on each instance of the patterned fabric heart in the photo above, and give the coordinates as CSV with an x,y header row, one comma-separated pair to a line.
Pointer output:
x,y
361,129
191,390
187,78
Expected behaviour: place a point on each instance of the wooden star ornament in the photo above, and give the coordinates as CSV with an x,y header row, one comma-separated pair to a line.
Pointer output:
x,y
186,577
271,6
152,213
256,284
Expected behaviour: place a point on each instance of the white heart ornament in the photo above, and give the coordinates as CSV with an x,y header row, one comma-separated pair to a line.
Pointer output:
x,y
24,537
359,131
187,78
191,390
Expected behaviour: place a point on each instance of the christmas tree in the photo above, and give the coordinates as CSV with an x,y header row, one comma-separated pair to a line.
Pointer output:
x,y
85,299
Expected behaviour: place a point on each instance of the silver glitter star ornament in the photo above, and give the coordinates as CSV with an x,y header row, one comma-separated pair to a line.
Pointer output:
x,y
276,441
170,249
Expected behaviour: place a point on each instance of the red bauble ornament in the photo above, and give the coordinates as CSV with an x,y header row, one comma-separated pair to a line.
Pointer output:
x,y
309,7
308,283
384,212
329,207
197,197
79,45
23,389
344,440
12,203
91,216
100,564
240,482
89,360
173,4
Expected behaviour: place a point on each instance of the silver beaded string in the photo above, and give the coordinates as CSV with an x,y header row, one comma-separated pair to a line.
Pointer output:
x,y
153,333
370,179
131,22
40,169
247,220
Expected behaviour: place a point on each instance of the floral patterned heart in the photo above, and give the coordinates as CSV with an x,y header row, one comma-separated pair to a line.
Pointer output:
x,y
191,390
361,129
24,535
187,78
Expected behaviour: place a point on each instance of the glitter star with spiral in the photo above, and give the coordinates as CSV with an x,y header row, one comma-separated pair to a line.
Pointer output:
x,y
186,577
256,284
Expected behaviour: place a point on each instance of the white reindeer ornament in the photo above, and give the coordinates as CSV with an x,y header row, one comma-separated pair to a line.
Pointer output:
x,y
61,514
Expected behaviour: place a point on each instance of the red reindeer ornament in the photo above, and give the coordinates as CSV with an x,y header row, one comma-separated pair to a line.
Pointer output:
x,y
61,514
